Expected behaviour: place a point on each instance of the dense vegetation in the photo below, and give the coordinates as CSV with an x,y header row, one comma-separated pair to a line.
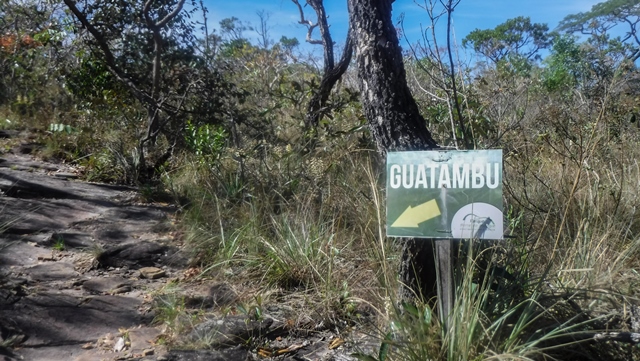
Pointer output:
x,y
293,212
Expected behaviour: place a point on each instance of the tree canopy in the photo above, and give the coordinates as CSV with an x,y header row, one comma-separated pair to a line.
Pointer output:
x,y
603,17
517,37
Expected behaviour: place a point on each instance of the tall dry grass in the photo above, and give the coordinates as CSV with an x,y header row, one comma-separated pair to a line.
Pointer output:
x,y
290,222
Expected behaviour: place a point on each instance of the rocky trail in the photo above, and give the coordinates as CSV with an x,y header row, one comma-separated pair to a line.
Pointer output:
x,y
80,264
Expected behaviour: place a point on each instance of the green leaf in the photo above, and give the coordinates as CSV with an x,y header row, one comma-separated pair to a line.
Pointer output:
x,y
411,309
385,346
427,315
59,128
258,312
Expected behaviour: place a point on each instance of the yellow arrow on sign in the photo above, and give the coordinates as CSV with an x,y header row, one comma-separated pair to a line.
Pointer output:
x,y
413,216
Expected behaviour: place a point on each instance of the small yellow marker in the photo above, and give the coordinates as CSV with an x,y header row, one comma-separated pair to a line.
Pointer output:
x,y
413,216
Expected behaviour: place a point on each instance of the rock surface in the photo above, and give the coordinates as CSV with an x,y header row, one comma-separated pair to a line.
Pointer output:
x,y
210,296
238,354
80,269
69,255
152,273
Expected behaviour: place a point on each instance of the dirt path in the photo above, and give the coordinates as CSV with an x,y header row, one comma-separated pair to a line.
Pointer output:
x,y
81,263
78,263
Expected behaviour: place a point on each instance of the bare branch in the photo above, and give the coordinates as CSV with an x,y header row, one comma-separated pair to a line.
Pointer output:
x,y
317,108
327,42
171,15
309,24
626,337
146,9
302,20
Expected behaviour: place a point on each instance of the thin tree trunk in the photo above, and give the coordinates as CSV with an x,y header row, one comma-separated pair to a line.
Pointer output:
x,y
331,75
316,108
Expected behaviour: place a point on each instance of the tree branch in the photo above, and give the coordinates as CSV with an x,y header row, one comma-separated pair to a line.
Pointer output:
x,y
171,15
331,73
626,337
109,58
327,42
308,23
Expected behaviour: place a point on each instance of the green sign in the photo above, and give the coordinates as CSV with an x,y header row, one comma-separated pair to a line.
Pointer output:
x,y
445,194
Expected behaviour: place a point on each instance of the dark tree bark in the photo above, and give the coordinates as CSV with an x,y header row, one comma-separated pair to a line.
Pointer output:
x,y
316,108
332,72
393,118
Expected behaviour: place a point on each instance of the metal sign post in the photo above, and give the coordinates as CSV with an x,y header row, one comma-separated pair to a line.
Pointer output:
x,y
445,195
446,284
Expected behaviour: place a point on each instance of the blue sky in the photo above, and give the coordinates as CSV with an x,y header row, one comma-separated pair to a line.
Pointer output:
x,y
469,15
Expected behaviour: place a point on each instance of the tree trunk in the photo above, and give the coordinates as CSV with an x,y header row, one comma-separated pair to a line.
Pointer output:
x,y
332,73
330,77
393,118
